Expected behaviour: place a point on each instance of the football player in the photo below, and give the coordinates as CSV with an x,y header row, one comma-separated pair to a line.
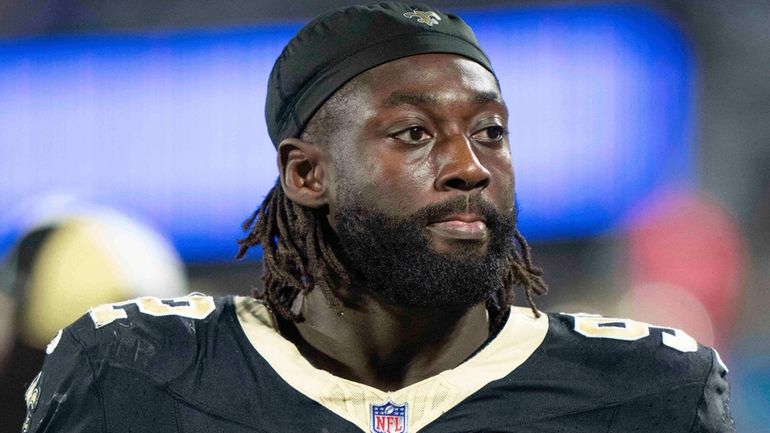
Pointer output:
x,y
390,254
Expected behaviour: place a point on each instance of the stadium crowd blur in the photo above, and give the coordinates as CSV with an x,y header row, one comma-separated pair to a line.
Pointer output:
x,y
691,255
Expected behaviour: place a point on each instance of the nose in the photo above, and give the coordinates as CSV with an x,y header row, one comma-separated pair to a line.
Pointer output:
x,y
458,166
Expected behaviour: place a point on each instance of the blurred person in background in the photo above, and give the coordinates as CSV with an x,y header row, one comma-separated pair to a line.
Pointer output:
x,y
390,252
56,272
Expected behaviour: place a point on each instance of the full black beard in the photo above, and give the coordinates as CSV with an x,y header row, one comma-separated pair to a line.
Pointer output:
x,y
391,258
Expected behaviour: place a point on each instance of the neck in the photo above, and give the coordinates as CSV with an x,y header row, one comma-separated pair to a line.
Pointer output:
x,y
383,346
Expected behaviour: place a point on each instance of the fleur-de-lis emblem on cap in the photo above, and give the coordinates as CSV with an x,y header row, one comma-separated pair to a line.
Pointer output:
x,y
428,18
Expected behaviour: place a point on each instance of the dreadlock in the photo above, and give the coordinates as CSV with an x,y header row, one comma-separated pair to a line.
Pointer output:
x,y
298,258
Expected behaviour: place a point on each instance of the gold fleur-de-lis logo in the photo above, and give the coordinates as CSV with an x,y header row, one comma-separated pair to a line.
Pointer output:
x,y
31,396
428,18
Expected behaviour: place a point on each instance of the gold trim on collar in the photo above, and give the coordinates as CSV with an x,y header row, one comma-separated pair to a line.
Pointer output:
x,y
427,400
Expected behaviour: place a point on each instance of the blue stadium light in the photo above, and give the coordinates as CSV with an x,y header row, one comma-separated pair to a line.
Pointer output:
x,y
170,127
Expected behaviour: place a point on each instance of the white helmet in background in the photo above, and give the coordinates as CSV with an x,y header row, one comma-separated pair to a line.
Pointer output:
x,y
64,266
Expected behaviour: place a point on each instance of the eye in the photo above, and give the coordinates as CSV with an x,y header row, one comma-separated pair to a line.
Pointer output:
x,y
413,135
490,134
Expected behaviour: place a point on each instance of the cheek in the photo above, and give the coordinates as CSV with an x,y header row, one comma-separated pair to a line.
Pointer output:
x,y
502,184
393,183
401,183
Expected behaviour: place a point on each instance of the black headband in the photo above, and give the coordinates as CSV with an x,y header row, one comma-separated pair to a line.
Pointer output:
x,y
335,47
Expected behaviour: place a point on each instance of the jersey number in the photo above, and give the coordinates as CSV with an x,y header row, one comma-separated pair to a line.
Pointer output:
x,y
194,307
631,330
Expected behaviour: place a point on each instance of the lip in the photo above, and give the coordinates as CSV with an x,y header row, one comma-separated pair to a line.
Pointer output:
x,y
460,226
464,217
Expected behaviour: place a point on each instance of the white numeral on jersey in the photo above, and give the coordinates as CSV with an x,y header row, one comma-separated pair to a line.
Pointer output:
x,y
194,307
631,330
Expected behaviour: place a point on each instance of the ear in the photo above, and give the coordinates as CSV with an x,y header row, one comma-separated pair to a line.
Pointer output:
x,y
301,166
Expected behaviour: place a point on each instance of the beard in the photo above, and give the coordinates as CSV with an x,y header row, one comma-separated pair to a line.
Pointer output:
x,y
391,257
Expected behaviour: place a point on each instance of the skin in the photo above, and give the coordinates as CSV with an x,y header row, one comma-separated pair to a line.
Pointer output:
x,y
424,129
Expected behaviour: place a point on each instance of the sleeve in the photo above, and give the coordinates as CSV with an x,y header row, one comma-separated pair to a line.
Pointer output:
x,y
713,411
64,397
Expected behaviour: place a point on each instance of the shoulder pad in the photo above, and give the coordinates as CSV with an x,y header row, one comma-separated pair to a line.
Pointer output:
x,y
651,356
156,338
714,407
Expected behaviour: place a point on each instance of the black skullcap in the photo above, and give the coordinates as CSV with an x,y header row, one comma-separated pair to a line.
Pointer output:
x,y
335,47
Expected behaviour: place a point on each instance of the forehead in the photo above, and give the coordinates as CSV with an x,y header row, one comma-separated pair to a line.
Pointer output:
x,y
433,78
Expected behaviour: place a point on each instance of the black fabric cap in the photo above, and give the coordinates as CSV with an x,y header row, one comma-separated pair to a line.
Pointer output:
x,y
335,47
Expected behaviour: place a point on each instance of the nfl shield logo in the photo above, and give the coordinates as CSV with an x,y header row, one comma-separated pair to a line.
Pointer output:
x,y
388,418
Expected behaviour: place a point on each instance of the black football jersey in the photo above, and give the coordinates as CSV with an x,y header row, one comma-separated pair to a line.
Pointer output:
x,y
203,364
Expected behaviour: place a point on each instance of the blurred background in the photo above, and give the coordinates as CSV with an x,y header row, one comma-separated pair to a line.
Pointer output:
x,y
133,144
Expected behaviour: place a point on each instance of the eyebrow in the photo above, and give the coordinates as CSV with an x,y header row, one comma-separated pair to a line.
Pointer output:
x,y
403,98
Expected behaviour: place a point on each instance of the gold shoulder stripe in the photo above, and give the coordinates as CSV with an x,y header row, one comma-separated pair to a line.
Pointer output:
x,y
427,400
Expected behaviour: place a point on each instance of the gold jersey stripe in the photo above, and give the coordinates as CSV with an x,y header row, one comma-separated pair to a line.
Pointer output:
x,y
426,400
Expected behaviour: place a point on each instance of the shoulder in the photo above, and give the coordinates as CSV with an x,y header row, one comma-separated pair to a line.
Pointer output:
x,y
149,334
636,370
149,338
636,365
620,343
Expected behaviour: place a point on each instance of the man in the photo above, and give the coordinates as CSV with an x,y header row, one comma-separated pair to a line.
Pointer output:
x,y
390,253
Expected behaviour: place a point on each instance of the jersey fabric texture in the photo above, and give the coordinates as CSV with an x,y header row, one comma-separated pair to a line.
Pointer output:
x,y
202,364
